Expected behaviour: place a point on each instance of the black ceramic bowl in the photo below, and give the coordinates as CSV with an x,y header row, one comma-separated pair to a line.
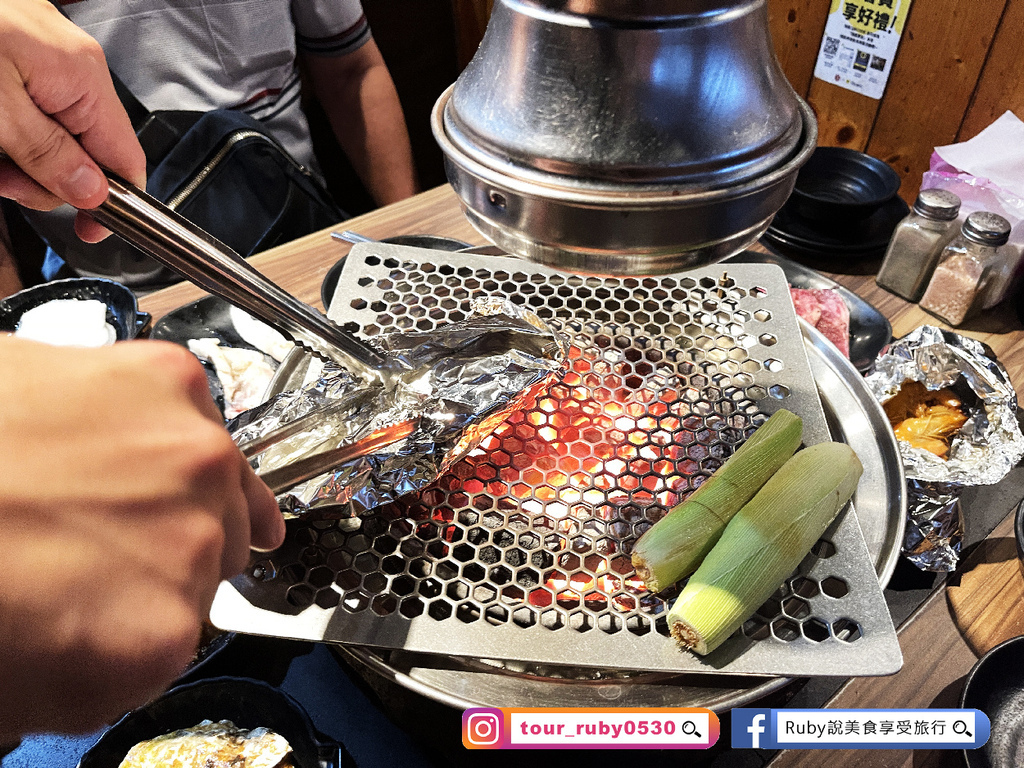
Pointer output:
x,y
1018,534
996,686
122,308
247,703
839,185
436,242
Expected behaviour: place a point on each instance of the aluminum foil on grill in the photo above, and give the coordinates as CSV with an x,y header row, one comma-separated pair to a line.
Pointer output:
x,y
990,443
935,528
455,384
982,452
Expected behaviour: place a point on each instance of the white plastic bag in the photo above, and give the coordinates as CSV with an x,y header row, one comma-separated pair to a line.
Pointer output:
x,y
986,173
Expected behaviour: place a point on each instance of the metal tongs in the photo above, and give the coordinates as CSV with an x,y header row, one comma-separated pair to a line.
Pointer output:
x,y
176,242
378,397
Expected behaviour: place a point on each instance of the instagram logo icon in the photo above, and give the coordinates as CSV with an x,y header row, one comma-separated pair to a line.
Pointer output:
x,y
481,728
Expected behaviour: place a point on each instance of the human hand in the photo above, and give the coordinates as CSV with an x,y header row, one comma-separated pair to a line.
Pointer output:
x,y
59,115
123,503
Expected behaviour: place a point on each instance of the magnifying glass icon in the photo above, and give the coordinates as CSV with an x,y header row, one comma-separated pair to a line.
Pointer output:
x,y
690,729
961,727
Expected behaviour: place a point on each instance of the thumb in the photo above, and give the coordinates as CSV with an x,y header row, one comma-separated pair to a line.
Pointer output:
x,y
267,529
44,150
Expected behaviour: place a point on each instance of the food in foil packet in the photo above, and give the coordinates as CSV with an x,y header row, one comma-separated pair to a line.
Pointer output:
x,y
935,527
923,381
454,386
989,443
924,418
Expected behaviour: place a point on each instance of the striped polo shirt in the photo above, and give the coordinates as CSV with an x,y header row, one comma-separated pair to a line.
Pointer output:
x,y
211,54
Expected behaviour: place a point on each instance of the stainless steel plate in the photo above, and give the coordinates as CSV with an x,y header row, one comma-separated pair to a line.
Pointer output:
x,y
853,416
521,551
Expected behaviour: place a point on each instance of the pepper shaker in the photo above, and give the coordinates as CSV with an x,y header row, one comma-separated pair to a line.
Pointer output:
x,y
917,243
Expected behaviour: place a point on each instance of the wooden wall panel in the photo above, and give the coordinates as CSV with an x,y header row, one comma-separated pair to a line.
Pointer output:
x,y
470,22
845,118
796,27
1001,86
944,47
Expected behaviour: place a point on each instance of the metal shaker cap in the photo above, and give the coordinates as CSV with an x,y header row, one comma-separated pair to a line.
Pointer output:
x,y
937,204
986,228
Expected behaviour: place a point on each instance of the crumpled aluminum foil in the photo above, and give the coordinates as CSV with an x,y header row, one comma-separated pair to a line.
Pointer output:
x,y
458,383
985,449
935,528
990,444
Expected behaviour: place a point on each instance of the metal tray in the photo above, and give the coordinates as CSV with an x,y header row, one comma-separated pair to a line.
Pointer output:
x,y
853,416
537,571
869,330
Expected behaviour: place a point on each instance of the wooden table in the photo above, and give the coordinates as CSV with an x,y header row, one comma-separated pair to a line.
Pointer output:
x,y
940,641
300,266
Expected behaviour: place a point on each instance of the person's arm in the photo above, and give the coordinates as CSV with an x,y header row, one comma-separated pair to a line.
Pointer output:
x,y
60,117
359,97
123,503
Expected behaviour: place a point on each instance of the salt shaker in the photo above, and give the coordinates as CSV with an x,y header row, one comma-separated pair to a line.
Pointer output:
x,y
959,284
917,243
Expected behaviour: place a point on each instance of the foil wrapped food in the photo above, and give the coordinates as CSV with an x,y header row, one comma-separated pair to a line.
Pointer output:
x,y
935,526
990,443
982,452
454,385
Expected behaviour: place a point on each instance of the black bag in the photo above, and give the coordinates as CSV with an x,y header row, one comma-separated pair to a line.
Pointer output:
x,y
230,178
222,171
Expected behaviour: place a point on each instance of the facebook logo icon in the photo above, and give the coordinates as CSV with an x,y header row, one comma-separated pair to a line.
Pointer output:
x,y
752,729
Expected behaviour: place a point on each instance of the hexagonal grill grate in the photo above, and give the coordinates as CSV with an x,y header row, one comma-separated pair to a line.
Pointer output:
x,y
521,551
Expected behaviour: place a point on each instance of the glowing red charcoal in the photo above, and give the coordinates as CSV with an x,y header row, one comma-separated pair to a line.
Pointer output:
x,y
558,491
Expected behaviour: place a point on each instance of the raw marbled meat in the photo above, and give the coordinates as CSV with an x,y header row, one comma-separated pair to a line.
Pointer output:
x,y
825,309
807,305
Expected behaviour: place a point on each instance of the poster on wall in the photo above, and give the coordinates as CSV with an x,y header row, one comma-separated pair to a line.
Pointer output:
x,y
859,44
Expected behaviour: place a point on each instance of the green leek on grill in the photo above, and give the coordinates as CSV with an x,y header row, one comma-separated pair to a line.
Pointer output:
x,y
763,544
676,544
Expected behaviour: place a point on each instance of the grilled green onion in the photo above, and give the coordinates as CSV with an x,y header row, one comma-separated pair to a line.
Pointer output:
x,y
763,544
676,544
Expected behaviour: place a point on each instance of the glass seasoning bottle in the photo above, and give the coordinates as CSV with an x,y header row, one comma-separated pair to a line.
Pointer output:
x,y
958,285
917,242
1005,276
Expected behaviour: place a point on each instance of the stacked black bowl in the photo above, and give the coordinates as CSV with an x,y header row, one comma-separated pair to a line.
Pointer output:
x,y
843,210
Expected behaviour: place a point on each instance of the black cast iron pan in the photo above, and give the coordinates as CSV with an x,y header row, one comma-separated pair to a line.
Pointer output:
x,y
247,703
122,308
996,686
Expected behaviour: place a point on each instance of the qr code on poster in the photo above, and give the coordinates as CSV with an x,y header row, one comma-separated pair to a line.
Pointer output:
x,y
831,46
